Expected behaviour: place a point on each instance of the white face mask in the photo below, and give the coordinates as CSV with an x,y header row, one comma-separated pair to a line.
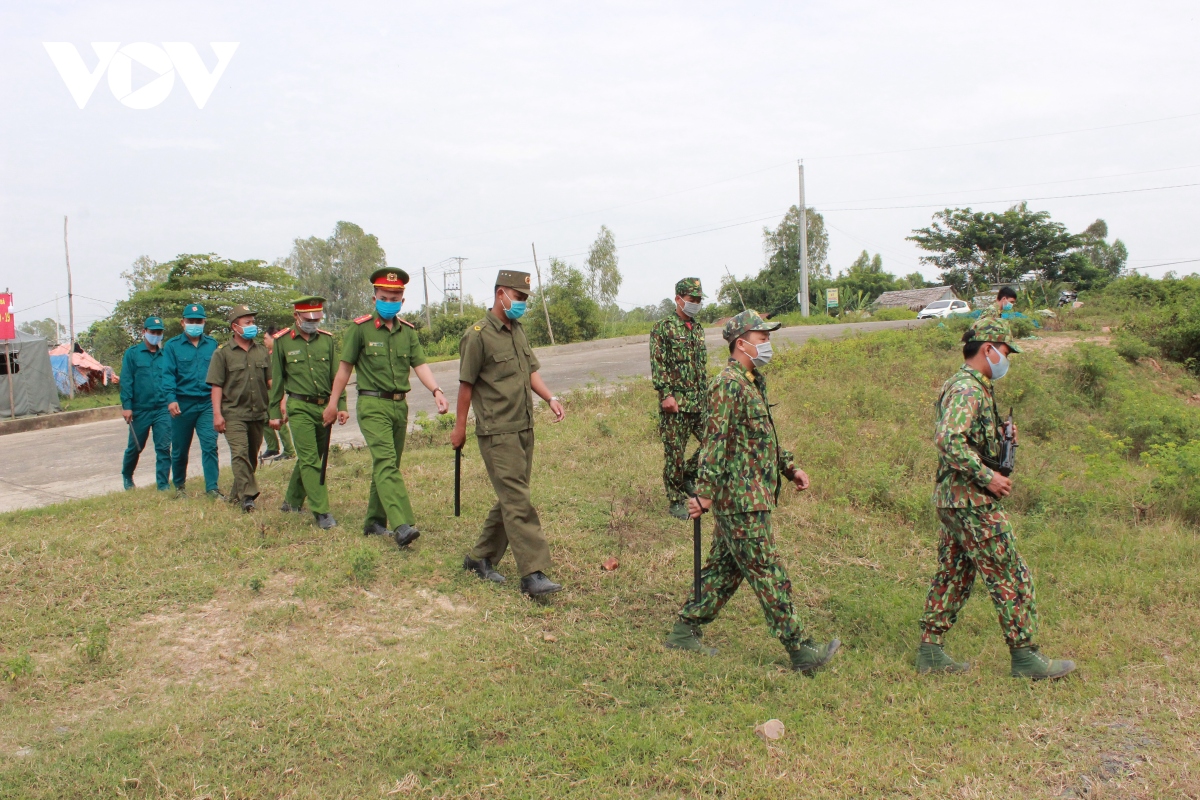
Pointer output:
x,y
999,368
310,325
690,309
762,353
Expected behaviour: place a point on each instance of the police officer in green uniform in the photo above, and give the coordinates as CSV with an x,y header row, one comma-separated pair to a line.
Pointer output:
x,y
240,375
497,373
276,444
303,364
189,398
142,405
382,347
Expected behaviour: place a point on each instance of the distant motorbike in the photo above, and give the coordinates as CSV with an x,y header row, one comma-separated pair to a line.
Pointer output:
x,y
1066,298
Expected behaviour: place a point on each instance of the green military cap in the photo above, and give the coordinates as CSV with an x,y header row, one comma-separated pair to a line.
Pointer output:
x,y
194,311
688,287
390,278
153,324
514,280
997,331
309,303
239,311
741,324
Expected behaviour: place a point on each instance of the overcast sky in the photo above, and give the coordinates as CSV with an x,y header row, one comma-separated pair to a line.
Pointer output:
x,y
475,129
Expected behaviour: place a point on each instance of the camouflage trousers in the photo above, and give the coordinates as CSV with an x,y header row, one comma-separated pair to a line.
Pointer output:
x,y
979,540
743,548
679,472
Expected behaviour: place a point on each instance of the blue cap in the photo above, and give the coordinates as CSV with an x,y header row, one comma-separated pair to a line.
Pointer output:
x,y
153,324
194,311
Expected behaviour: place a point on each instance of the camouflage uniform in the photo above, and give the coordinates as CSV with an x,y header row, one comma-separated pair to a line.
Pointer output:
x,y
742,466
679,369
976,535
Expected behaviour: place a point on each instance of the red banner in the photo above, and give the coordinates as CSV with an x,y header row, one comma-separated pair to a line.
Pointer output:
x,y
8,326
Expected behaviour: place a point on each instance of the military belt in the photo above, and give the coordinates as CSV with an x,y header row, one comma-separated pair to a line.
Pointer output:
x,y
397,396
308,398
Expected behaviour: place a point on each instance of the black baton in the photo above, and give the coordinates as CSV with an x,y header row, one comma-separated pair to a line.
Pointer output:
x,y
325,455
457,480
133,433
696,535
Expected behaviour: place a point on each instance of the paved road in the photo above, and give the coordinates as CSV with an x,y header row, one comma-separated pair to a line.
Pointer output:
x,y
51,466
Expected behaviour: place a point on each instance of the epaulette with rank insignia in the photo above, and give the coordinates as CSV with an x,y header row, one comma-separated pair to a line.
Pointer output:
x,y
282,333
322,330
403,321
362,319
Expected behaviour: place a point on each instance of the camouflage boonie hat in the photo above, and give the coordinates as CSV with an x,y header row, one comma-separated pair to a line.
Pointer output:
x,y
995,330
514,280
688,286
745,322
239,311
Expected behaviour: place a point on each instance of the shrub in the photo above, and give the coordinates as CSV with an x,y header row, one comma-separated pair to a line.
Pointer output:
x,y
1130,347
886,314
95,647
1177,487
1091,368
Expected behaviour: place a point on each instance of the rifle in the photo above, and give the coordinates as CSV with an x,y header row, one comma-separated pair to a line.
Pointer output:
x,y
325,455
696,537
1007,461
457,480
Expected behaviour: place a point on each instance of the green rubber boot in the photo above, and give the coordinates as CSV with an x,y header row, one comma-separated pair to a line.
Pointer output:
x,y
809,655
932,658
687,637
1027,662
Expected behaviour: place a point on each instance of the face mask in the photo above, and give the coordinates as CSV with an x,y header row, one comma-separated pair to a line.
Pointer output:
x,y
194,331
249,331
153,339
1007,307
690,309
762,354
310,326
388,309
999,368
515,310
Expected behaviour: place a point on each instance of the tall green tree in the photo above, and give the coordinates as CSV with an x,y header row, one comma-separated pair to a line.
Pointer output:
x,y
603,276
337,268
574,313
776,285
866,277
1104,262
46,328
976,249
145,273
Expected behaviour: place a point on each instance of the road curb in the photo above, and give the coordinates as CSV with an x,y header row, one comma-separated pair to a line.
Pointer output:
x,y
59,420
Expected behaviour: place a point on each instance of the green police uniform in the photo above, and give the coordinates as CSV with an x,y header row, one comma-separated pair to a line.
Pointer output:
x,y
496,359
304,369
679,369
382,358
243,375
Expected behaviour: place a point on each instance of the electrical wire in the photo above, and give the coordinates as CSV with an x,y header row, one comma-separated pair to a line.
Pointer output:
x,y
1016,199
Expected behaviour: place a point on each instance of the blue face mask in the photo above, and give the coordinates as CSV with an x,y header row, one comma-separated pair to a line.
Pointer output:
x,y
1007,306
153,339
388,309
999,368
249,331
194,330
515,310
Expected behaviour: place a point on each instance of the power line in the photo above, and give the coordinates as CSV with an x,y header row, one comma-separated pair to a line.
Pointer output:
x,y
1018,199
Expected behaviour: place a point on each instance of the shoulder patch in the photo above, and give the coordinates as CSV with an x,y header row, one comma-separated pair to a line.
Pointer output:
x,y
322,330
478,328
281,334
403,321
362,319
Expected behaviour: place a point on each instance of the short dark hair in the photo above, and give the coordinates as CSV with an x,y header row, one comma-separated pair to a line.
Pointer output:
x,y
272,330
970,346
731,346
1007,291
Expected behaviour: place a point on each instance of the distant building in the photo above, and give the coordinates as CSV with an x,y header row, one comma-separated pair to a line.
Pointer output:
x,y
915,299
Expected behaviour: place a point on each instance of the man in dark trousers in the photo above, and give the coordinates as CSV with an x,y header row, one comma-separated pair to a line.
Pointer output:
x,y
142,405
240,374
497,377
189,398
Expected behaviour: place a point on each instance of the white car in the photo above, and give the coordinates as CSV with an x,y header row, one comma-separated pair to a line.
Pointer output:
x,y
944,308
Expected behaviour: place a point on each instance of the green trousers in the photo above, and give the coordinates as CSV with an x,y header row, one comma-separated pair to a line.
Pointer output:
x,y
311,437
743,547
282,440
195,417
146,422
384,424
676,430
512,520
244,438
980,540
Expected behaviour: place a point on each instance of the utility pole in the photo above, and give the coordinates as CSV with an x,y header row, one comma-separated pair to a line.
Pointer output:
x,y
803,298
545,305
428,318
460,259
57,321
70,314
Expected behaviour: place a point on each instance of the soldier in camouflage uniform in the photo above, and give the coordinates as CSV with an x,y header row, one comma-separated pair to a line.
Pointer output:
x,y
740,473
976,535
678,368
1004,303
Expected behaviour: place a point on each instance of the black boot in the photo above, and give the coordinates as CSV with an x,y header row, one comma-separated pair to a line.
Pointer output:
x,y
375,529
247,504
405,535
325,521
536,584
483,568
288,508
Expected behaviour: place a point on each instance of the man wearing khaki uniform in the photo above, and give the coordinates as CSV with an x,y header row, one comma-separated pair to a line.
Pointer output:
x,y
240,377
498,374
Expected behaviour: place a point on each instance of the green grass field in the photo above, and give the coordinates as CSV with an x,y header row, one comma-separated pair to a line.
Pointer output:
x,y
166,648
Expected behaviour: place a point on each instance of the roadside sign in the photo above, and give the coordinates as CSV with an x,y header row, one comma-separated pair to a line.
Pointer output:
x,y
8,326
831,298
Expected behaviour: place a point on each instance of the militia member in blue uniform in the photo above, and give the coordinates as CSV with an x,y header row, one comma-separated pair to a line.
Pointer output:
x,y
189,398
142,405
382,347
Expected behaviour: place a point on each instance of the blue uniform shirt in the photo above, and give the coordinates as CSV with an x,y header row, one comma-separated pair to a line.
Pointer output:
x,y
185,368
141,379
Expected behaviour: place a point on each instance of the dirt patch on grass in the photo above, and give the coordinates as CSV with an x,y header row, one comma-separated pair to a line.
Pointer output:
x,y
1056,343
